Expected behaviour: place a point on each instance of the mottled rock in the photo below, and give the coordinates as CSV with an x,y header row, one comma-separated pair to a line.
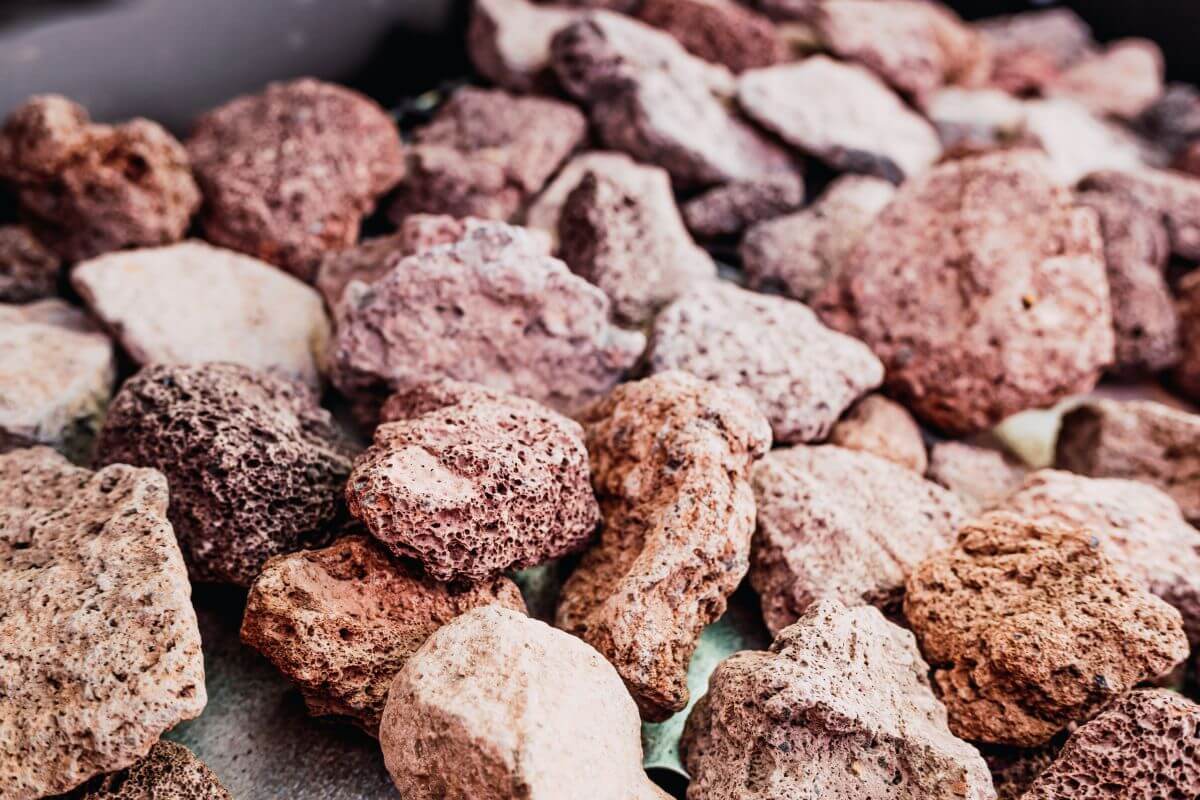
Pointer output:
x,y
543,213
1029,50
731,208
839,707
1122,81
1187,309
670,459
1173,195
720,31
884,428
28,270
509,41
97,632
169,772
980,476
1077,142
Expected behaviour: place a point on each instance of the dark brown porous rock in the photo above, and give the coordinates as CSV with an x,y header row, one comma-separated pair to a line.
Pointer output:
x,y
670,458
801,375
509,41
839,708
1139,440
1141,746
85,189
169,772
885,428
982,289
98,638
1029,627
729,209
720,31
491,308
256,467
1123,81
1187,306
28,270
1174,196
340,622
1015,768
980,476
840,523
289,173
1031,49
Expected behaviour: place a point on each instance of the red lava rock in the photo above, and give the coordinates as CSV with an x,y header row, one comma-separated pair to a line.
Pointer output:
x,y
841,523
980,476
1187,372
839,707
720,31
85,188
981,287
28,270
543,213
1173,195
733,207
289,173
884,428
1122,81
1029,50
169,772
509,41
341,621
1010,622
255,465
670,459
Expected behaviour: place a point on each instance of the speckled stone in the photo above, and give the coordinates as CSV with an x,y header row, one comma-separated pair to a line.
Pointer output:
x,y
1123,80
509,41
1030,49
1175,196
170,772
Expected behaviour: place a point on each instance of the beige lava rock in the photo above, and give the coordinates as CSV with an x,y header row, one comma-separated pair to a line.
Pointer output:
x,y
720,31
670,458
1123,81
28,270
975,119
498,705
981,476
1030,50
509,41
1077,142
97,632
839,707
170,772
1173,195
884,428
732,207
543,213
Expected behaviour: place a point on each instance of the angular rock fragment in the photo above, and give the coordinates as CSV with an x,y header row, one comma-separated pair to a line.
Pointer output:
x,y
884,428
495,700
980,476
86,188
509,41
670,459
840,706
731,208
720,31
543,213
1010,622
1173,195
1077,142
1122,81
255,465
169,772
1031,49
28,270
97,632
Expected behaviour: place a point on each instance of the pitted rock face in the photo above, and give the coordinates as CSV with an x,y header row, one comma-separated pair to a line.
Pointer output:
x,y
170,772
289,173
28,270
1030,50
982,289
732,207
509,41
255,465
720,31
839,708
85,188
884,428
1174,196
339,622
497,705
97,632
844,524
1029,627
670,458
981,476
801,375
1123,81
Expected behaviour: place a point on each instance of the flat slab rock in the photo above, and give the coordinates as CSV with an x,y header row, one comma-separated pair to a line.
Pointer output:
x,y
884,428
839,707
28,269
169,772
97,632
982,477
732,207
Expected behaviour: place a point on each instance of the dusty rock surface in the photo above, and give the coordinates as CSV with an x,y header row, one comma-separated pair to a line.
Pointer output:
x,y
1008,620
980,476
289,173
169,772
721,31
733,207
670,460
1187,308
1173,195
255,465
97,632
839,707
495,700
1123,81
543,213
885,428
28,269
1030,50
509,41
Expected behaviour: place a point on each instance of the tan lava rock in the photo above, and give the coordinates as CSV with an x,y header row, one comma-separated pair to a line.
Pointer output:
x,y
341,621
844,524
255,465
289,173
169,772
1173,195
97,632
884,428
1123,81
1029,627
732,207
28,270
509,41
839,708
1187,308
980,476
982,289
1029,50
720,31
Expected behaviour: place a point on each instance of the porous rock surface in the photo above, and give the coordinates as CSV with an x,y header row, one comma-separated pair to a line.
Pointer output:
x,y
720,31
28,270
670,460
885,428
1015,768
980,476
544,212
169,772
1031,49
1174,196
97,632
497,705
1029,627
839,708
509,41
1123,81
256,467
732,207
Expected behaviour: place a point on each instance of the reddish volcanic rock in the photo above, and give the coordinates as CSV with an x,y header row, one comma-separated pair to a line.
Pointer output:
x,y
884,428
732,207
1124,80
980,476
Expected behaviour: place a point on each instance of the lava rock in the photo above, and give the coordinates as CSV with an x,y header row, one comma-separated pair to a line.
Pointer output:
x,y
1187,310
1123,81
28,270
1174,119
1014,769
1172,195
731,208
1029,50
543,213
975,120
1077,142
508,41
884,428
169,772
980,476
720,31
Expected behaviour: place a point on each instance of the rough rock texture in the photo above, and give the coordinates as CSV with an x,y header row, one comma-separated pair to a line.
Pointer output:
x,y
670,458
720,31
982,290
56,376
1187,372
1029,50
1173,195
97,632
840,523
169,772
485,153
340,622
509,41
819,105
289,173
491,309
733,207
801,375
191,303
28,270
1078,142
625,235
497,705
1143,745
1140,440
980,476
543,214
1029,627
800,253
255,465
885,428
839,708
1122,81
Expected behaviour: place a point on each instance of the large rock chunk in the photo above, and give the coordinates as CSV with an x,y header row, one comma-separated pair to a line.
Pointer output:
x,y
720,31
1029,627
1174,196
1031,49
495,703
732,207
670,458
839,707
255,465
980,476
28,270
884,428
170,772
509,41
97,632
289,173
982,289
1124,80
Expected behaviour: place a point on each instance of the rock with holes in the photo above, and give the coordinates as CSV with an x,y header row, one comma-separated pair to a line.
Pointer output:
x,y
1030,50
732,207
509,41
720,31
28,269
1174,196
1123,81
980,476
885,428
169,772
